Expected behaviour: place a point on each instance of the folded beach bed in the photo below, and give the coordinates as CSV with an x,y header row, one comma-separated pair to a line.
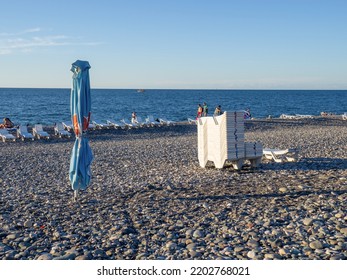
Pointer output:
x,y
277,155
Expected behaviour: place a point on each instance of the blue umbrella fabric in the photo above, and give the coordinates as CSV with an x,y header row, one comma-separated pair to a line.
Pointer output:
x,y
82,156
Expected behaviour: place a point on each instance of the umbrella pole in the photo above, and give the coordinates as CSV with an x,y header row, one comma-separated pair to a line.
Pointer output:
x,y
75,193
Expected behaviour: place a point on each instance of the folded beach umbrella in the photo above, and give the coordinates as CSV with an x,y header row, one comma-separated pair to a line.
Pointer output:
x,y
81,157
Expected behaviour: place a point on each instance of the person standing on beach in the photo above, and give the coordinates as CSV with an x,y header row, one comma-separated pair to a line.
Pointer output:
x,y
199,114
218,111
205,110
133,117
248,114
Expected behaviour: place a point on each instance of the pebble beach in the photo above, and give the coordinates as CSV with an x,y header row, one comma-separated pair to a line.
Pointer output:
x,y
150,200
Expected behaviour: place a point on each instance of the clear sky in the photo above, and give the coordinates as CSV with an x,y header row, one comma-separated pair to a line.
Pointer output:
x,y
188,44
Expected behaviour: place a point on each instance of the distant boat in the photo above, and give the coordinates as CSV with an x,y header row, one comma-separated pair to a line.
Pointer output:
x,y
141,90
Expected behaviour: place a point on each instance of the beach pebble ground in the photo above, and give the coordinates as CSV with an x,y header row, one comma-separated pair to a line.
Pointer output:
x,y
150,199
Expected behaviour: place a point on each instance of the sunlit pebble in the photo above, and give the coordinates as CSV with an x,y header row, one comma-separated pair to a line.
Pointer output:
x,y
149,195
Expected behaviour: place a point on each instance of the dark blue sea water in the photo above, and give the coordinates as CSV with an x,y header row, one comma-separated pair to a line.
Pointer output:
x,y
47,106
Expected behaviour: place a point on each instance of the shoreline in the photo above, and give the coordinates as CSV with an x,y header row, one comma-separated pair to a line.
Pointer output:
x,y
150,199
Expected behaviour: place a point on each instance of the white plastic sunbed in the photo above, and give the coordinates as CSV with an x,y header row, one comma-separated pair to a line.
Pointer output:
x,y
150,119
192,121
5,135
60,131
166,121
141,122
116,124
128,124
344,116
298,116
278,155
22,132
285,116
99,124
68,125
38,132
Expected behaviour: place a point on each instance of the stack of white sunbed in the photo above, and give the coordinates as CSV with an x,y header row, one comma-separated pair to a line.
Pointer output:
x,y
254,151
221,138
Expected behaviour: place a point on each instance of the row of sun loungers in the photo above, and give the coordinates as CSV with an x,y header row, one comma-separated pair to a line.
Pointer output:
x,y
123,123
148,122
37,132
64,129
298,116
295,117
22,133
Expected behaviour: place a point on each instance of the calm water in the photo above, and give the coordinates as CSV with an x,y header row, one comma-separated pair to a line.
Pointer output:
x,y
47,106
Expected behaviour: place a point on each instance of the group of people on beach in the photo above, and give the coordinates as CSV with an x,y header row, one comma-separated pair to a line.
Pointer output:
x,y
203,110
7,123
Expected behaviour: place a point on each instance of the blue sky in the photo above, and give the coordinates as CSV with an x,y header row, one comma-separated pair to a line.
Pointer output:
x,y
188,44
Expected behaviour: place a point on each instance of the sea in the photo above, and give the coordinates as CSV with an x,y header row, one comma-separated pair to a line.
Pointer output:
x,y
50,105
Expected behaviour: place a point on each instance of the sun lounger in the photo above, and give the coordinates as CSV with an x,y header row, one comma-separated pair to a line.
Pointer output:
x,y
298,116
192,121
277,155
39,133
290,117
91,126
22,132
68,125
344,116
100,125
166,121
5,135
152,121
141,123
116,124
128,124
60,131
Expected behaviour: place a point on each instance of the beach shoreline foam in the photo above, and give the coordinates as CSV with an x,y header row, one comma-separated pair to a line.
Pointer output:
x,y
149,198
